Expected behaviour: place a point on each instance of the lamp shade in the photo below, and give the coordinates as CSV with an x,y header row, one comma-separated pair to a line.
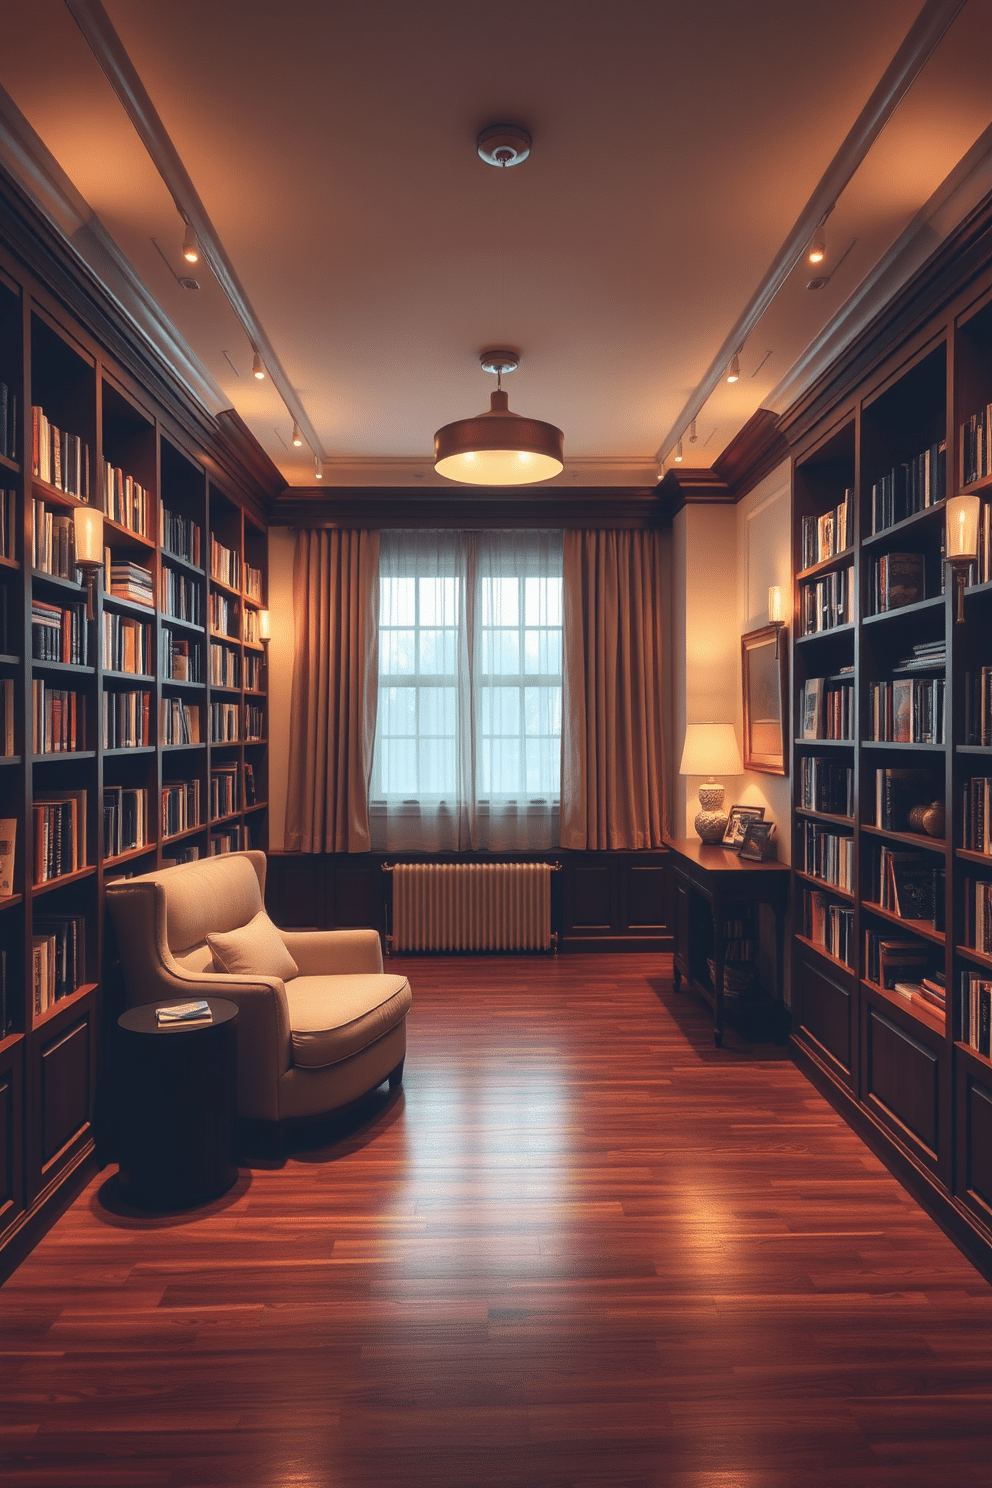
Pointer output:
x,y
499,448
88,531
263,625
775,603
711,749
962,526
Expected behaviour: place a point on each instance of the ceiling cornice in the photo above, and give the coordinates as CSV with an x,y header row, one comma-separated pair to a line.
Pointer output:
x,y
481,507
753,453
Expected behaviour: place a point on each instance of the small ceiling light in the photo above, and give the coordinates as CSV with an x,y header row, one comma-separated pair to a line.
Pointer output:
x,y
191,248
318,468
499,448
734,370
504,144
678,453
256,366
692,432
818,247
297,436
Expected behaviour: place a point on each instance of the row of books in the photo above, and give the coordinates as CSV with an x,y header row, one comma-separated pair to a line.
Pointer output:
x,y
976,811
827,855
253,582
826,603
59,719
131,581
253,627
231,839
7,750
897,791
897,580
181,596
909,885
53,543
180,536
8,523
58,951
8,428
909,487
253,673
225,564
978,706
180,806
827,923
59,834
182,660
58,457
976,1012
974,458
59,633
826,785
125,501
907,711
127,644
225,722
223,800
225,666
254,721
178,723
978,915
827,535
125,719
125,819
224,616
827,709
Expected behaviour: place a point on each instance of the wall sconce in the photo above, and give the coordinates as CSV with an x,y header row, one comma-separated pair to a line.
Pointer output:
x,y
962,513
263,626
87,524
775,616
711,749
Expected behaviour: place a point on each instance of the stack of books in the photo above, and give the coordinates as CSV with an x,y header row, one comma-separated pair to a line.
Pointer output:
x,y
131,581
58,633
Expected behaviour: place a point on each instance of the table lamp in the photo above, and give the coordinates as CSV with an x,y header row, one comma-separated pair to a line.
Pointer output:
x,y
711,749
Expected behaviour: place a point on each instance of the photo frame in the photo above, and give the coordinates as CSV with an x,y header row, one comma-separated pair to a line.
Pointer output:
x,y
737,822
758,844
765,672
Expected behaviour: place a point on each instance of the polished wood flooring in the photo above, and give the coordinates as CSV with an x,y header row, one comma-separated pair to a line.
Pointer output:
x,y
580,1247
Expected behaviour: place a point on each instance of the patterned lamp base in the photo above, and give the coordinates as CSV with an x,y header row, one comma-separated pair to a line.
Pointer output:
x,y
711,821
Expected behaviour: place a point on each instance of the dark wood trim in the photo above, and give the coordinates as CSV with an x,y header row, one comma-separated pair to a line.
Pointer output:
x,y
390,506
753,453
681,488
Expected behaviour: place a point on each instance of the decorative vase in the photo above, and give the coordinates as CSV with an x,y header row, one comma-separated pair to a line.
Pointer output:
x,y
711,820
934,819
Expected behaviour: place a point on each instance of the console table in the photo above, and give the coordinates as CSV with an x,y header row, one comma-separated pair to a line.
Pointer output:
x,y
714,874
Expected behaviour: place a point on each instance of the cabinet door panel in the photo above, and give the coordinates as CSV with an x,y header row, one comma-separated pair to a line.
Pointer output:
x,y
592,898
65,1089
975,1139
11,1172
902,1082
825,1013
646,898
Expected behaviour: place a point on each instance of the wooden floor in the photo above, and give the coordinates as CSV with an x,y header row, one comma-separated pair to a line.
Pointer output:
x,y
581,1246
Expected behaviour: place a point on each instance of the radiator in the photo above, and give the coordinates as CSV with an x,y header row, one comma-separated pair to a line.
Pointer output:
x,y
471,906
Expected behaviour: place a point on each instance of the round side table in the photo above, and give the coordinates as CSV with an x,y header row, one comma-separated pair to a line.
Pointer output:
x,y
177,1089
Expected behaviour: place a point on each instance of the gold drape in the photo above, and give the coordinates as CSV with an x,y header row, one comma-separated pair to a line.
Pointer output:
x,y
335,677
613,788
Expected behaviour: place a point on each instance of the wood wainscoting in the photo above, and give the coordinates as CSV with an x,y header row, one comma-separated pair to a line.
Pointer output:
x,y
609,901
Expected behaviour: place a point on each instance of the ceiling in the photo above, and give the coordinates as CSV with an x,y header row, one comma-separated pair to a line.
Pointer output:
x,y
332,148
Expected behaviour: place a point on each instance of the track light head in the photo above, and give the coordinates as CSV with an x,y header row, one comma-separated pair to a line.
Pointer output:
x,y
678,453
297,436
256,366
818,247
318,468
191,248
734,370
692,432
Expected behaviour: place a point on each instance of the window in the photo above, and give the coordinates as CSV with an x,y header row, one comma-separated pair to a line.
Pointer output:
x,y
467,750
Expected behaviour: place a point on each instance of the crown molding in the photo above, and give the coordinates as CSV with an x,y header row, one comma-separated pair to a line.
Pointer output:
x,y
467,507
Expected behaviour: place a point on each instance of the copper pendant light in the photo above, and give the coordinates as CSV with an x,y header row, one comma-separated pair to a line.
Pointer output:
x,y
499,448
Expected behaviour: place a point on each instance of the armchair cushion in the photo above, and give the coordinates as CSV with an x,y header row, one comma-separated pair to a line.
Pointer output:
x,y
333,1018
255,949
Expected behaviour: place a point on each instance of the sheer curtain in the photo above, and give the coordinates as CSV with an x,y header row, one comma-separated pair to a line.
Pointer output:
x,y
613,759
467,748
332,721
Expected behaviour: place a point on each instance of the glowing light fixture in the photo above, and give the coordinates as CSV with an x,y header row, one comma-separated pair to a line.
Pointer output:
x,y
256,366
734,370
191,248
961,516
499,448
692,432
818,247
264,634
678,453
297,436
711,749
87,524
318,468
775,604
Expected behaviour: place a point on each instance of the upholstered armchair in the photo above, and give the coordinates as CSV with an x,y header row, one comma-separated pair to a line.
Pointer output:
x,y
319,1024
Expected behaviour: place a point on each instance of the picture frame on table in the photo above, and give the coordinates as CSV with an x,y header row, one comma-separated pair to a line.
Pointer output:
x,y
737,822
758,845
765,675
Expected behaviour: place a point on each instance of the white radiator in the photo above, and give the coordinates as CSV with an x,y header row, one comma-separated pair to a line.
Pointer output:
x,y
471,906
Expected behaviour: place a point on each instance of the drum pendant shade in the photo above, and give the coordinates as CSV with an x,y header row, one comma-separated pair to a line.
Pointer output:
x,y
499,448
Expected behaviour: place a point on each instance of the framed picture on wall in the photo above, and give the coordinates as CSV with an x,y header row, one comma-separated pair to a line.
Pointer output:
x,y
765,663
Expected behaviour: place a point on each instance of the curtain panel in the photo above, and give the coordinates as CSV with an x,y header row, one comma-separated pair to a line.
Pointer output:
x,y
335,666
613,745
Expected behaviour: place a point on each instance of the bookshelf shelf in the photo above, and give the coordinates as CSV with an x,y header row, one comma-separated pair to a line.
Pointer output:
x,y
930,1017
828,956
133,442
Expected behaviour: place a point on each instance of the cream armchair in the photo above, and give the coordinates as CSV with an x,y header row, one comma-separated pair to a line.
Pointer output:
x,y
319,1024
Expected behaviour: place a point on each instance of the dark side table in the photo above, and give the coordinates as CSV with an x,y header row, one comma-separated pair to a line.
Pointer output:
x,y
719,878
177,1092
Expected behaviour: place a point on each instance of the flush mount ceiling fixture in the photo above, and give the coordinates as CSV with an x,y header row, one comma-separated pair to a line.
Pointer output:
x,y
499,448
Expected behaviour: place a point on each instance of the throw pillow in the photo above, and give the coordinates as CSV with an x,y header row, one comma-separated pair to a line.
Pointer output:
x,y
256,949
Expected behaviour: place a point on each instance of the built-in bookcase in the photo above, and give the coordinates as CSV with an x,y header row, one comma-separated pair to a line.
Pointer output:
x,y
106,748
889,777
